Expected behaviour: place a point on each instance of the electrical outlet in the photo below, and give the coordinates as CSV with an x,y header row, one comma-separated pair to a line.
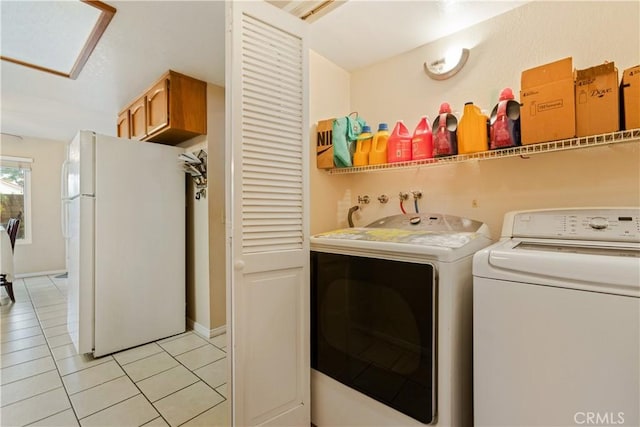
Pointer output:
x,y
474,203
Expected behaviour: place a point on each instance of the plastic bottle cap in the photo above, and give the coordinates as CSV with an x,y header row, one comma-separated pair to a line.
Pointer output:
x,y
383,126
366,129
445,108
506,94
468,103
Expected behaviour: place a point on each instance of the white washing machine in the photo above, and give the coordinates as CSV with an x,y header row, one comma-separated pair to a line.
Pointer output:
x,y
391,328
557,320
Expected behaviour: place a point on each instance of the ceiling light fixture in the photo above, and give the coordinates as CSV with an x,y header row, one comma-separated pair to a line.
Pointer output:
x,y
448,66
55,37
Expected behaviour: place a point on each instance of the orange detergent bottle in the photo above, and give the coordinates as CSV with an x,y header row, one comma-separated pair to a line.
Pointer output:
x,y
445,139
422,141
363,147
399,144
472,130
378,154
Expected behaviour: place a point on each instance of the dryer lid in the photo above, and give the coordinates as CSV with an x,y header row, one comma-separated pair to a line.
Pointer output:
x,y
445,237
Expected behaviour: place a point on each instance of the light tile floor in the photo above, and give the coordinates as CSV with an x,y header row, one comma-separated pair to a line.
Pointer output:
x,y
180,380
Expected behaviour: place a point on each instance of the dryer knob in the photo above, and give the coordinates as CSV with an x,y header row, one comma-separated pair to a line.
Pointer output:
x,y
598,223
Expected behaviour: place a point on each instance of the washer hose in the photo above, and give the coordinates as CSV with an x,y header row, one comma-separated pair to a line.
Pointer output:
x,y
350,215
402,206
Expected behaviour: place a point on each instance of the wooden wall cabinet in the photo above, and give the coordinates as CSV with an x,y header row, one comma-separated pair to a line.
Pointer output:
x,y
124,130
171,111
138,119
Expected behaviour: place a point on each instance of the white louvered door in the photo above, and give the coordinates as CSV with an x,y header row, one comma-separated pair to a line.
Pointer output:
x,y
267,117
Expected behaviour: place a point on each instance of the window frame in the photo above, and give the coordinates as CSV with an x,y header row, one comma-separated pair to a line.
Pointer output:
x,y
23,163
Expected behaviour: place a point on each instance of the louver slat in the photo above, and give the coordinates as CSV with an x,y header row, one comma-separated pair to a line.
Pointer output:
x,y
272,134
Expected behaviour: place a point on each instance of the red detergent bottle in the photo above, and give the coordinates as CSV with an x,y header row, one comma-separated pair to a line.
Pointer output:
x,y
399,144
445,139
422,141
505,122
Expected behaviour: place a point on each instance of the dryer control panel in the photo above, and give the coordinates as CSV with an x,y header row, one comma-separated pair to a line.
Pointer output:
x,y
601,224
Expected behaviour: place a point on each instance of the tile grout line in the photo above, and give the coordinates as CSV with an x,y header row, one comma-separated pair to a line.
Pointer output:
x,y
43,289
52,415
110,406
143,395
37,394
93,386
199,379
29,376
81,369
38,325
219,403
179,364
27,348
64,387
19,363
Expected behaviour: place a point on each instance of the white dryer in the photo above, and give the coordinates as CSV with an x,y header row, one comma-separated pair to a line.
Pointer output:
x,y
391,328
557,320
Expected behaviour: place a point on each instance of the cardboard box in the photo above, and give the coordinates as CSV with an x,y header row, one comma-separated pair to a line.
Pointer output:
x,y
630,98
324,144
548,102
597,105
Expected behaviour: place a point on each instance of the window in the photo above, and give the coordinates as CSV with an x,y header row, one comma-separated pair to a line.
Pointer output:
x,y
56,37
15,194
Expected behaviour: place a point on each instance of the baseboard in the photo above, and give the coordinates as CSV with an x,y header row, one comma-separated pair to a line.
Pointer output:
x,y
204,331
38,273
218,331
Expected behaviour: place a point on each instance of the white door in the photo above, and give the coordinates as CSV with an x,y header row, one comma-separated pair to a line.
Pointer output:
x,y
267,146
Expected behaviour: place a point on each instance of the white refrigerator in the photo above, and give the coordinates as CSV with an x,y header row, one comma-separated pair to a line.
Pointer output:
x,y
124,221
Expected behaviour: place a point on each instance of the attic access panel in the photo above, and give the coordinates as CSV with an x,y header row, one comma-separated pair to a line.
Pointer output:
x,y
52,36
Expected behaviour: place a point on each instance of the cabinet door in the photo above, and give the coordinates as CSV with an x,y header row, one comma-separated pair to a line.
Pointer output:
x,y
138,119
158,106
123,125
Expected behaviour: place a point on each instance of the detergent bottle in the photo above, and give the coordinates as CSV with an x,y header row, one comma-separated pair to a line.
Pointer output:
x,y
422,141
378,155
399,144
445,138
472,131
505,122
363,147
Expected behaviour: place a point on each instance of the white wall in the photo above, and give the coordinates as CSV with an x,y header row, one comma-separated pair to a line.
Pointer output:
x,y
46,252
537,33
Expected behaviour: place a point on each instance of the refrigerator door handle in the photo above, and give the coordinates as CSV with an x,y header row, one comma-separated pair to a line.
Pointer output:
x,y
64,190
64,181
65,218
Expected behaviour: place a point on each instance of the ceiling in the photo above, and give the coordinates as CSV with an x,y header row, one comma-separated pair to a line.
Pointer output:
x,y
146,38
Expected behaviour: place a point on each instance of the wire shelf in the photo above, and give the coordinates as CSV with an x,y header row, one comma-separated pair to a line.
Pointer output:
x,y
632,135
